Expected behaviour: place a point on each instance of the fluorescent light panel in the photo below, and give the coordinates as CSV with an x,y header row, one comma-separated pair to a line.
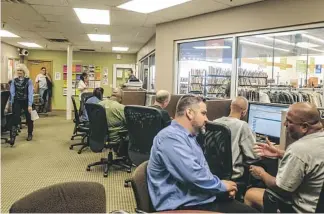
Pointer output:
x,y
313,38
264,46
120,48
99,37
93,16
30,44
5,33
212,47
149,6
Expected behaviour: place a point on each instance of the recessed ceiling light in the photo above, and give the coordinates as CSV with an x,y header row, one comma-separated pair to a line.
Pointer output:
x,y
149,6
212,47
99,37
313,38
93,16
120,48
261,45
4,33
30,44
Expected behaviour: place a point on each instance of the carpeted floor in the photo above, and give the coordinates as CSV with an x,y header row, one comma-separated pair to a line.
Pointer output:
x,y
47,160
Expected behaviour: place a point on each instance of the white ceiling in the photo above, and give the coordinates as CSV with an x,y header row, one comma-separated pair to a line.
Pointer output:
x,y
39,20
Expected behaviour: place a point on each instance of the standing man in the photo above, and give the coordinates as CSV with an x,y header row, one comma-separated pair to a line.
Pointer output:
x,y
132,77
301,169
162,100
178,175
42,87
21,90
242,137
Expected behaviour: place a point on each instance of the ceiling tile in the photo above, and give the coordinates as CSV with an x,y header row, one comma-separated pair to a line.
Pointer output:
x,y
237,2
128,18
49,2
19,12
54,10
96,3
59,18
51,35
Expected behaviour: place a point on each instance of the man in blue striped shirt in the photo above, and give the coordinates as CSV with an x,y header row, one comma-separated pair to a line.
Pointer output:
x,y
178,174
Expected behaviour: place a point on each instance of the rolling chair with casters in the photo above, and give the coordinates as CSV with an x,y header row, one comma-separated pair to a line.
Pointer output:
x,y
217,149
99,138
79,130
6,120
143,124
71,197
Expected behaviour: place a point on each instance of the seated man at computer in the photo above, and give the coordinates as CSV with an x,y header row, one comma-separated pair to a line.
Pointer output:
x,y
242,137
95,98
115,114
162,100
301,169
178,175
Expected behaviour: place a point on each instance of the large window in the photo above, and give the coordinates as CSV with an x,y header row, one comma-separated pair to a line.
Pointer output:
x,y
277,67
147,72
205,67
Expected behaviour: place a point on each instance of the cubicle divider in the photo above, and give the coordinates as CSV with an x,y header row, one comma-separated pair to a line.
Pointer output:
x,y
218,108
171,108
134,98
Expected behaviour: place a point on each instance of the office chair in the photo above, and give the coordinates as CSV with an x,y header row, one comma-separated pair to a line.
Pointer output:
x,y
72,197
79,129
143,123
84,97
272,201
140,189
217,149
40,107
99,138
6,119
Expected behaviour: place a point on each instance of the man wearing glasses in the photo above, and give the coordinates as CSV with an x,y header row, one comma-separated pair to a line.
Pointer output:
x,y
301,169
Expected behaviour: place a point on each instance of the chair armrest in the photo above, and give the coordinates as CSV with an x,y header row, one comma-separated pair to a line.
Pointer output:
x,y
279,197
248,163
139,211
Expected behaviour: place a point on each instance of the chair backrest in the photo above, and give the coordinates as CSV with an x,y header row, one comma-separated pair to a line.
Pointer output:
x,y
143,124
73,197
84,97
320,203
98,135
76,112
4,99
140,189
218,150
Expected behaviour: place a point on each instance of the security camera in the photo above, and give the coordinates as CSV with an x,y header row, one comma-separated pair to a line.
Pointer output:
x,y
23,52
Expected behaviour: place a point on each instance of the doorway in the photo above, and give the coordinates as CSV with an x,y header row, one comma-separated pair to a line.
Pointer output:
x,y
34,67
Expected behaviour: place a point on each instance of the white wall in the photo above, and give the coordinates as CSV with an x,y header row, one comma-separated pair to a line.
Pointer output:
x,y
7,51
146,49
259,16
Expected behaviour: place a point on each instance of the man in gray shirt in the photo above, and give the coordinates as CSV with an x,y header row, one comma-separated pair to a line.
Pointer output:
x,y
243,139
301,169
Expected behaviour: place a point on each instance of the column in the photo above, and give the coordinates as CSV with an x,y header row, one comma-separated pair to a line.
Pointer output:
x,y
234,75
69,83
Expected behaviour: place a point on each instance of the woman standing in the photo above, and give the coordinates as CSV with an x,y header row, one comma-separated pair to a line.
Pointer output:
x,y
83,84
21,90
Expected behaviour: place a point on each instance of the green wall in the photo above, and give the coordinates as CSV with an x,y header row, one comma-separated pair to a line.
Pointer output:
x,y
59,58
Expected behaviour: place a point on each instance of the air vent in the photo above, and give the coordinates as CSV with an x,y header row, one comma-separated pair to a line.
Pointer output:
x,y
58,40
16,1
88,50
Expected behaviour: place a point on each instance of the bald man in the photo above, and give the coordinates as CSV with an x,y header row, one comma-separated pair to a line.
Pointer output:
x,y
162,100
301,169
243,139
115,114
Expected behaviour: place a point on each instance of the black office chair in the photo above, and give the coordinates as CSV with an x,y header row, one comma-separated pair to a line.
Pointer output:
x,y
143,124
217,149
84,97
99,138
6,120
79,129
273,201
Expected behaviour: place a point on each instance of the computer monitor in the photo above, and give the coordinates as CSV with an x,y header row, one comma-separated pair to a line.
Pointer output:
x,y
265,120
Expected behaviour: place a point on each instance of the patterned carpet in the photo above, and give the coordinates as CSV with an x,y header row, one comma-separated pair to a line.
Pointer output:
x,y
47,160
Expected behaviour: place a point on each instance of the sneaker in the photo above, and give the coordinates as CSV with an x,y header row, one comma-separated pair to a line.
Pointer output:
x,y
30,137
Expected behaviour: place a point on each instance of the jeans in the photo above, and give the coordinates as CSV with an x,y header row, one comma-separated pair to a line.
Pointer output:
x,y
18,105
41,94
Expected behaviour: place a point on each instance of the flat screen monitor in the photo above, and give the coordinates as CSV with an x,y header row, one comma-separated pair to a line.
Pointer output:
x,y
265,120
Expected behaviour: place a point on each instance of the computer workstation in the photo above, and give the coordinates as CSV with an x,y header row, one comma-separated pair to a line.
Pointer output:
x,y
265,120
